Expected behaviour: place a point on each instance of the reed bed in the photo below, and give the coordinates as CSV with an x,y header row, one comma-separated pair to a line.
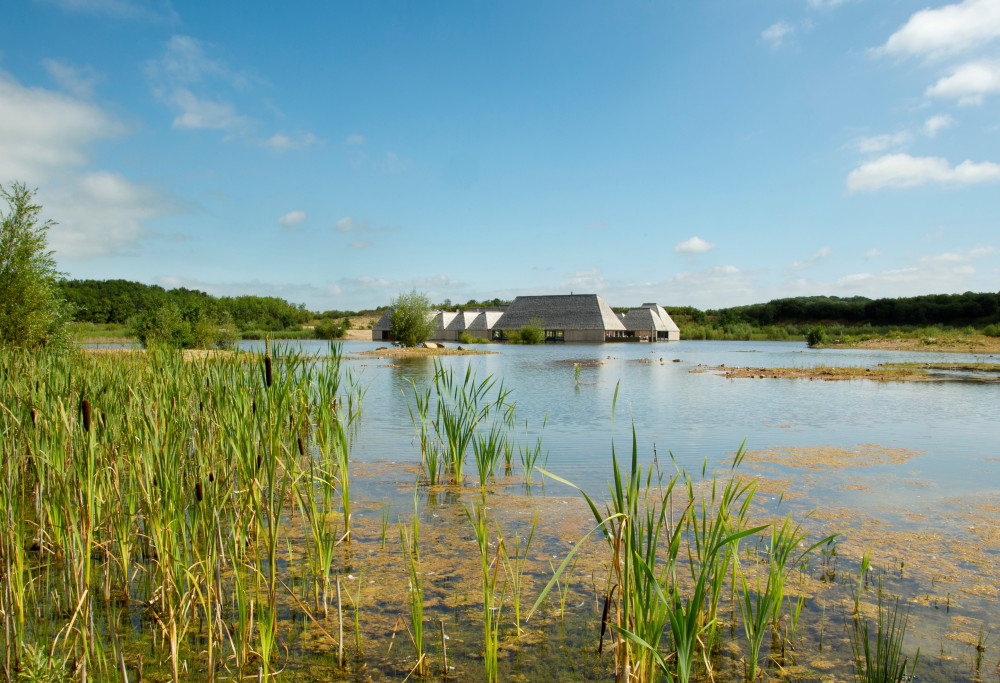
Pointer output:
x,y
209,501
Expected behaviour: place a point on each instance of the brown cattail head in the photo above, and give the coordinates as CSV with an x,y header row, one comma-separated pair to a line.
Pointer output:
x,y
268,377
197,491
302,450
258,461
85,410
34,417
253,406
211,476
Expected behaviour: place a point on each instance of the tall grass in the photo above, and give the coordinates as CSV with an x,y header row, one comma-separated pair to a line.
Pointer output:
x,y
153,480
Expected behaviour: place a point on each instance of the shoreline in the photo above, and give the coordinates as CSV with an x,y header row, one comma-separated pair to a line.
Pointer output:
x,y
885,372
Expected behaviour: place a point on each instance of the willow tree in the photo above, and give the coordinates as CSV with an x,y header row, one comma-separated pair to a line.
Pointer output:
x,y
32,311
411,322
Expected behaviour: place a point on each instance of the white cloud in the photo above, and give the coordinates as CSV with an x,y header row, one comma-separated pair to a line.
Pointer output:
x,y
959,256
872,253
775,34
359,244
355,139
946,272
694,245
903,170
585,280
194,112
99,213
947,30
78,80
825,4
348,224
185,68
44,141
937,123
880,143
812,260
968,83
280,142
43,133
292,219
145,10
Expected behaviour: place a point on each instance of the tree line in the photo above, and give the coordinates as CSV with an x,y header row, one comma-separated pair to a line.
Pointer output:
x,y
971,308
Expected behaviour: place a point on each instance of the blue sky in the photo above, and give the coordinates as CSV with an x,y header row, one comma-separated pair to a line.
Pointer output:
x,y
335,154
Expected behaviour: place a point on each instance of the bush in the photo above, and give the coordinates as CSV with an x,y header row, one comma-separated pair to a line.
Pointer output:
x,y
161,326
166,326
816,336
328,328
467,338
533,332
992,330
412,323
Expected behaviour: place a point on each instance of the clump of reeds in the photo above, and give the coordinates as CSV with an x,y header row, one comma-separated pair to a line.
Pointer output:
x,y
878,655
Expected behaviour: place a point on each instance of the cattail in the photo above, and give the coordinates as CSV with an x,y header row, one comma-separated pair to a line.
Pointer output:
x,y
268,378
34,417
302,450
211,476
253,406
85,409
197,491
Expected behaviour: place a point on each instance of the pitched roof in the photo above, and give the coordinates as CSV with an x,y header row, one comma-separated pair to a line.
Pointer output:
x,y
642,319
385,322
462,321
485,320
560,312
668,322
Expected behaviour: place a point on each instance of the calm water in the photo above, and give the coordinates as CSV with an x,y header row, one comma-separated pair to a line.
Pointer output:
x,y
699,416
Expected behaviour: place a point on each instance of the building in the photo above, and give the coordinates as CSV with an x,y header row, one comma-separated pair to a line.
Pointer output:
x,y
583,318
564,317
650,322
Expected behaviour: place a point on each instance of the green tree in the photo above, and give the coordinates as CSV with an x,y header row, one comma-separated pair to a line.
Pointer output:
x,y
411,321
32,310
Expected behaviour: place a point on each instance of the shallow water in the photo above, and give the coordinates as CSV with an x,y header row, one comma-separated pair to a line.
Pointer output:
x,y
701,416
908,470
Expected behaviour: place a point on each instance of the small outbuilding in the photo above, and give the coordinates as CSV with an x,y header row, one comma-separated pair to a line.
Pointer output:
x,y
650,322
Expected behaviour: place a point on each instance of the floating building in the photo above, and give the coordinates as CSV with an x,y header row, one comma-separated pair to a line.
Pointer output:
x,y
564,318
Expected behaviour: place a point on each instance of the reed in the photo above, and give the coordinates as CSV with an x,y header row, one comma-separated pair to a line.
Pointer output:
x,y
531,453
514,565
409,540
492,600
760,607
878,655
